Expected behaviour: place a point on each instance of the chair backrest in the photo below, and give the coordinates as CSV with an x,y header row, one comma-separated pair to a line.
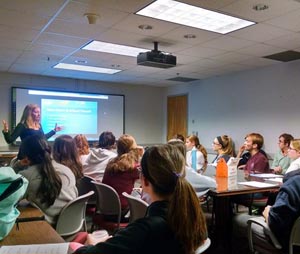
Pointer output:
x,y
137,207
72,217
108,201
204,246
295,235
84,186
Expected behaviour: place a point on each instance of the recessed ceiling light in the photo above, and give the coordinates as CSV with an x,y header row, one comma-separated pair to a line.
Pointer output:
x,y
188,15
260,7
145,27
189,36
114,48
77,67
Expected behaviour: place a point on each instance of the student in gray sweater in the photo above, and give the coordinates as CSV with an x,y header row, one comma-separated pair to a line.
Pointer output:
x,y
51,185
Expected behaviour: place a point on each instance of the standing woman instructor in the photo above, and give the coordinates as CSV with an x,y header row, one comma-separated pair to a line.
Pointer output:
x,y
28,125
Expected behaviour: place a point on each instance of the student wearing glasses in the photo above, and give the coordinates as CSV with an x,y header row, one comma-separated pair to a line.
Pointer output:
x,y
281,160
294,154
224,147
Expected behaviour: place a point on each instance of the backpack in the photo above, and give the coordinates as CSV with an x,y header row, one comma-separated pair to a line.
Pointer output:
x,y
12,188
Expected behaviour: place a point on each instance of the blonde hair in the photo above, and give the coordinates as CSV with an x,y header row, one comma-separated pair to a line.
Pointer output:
x,y
26,117
296,144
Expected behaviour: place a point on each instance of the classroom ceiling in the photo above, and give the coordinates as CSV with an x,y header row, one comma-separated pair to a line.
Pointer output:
x,y
38,34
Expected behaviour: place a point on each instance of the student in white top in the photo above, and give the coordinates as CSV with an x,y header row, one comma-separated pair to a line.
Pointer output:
x,y
98,158
294,154
196,156
201,183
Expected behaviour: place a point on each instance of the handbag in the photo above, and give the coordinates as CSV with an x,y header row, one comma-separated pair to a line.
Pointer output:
x,y
12,188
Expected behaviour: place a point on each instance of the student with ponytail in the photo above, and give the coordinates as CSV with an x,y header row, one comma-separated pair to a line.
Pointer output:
x,y
196,156
174,222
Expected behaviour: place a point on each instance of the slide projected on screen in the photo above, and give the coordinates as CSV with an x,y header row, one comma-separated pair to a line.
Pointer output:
x,y
74,116
77,112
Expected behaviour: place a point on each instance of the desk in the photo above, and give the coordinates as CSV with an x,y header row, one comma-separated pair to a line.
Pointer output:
x,y
227,187
33,232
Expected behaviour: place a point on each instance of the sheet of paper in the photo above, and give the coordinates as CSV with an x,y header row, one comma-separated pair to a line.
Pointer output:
x,y
257,184
266,175
55,248
274,180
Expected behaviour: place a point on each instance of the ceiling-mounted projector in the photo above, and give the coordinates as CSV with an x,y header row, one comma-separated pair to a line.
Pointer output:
x,y
156,58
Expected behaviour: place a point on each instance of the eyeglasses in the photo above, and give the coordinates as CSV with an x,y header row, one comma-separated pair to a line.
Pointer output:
x,y
290,148
214,143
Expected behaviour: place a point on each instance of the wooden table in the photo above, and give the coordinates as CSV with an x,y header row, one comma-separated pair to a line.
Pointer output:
x,y
226,188
32,232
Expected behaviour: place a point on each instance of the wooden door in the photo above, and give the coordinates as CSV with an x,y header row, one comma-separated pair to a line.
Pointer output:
x,y
177,111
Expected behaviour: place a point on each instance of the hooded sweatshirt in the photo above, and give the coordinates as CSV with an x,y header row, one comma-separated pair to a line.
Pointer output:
x,y
96,162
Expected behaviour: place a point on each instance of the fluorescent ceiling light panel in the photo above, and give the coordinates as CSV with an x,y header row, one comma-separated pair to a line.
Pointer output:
x,y
77,67
188,15
114,48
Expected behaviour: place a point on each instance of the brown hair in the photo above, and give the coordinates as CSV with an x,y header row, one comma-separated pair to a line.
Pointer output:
x,y
38,151
128,155
256,139
66,153
164,167
107,140
226,144
201,148
82,144
287,138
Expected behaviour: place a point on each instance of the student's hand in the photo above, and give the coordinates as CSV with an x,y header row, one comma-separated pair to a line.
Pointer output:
x,y
266,213
5,126
277,170
92,240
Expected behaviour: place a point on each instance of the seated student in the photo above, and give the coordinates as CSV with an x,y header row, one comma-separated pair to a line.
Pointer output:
x,y
98,158
178,136
167,226
82,146
224,147
294,154
196,156
122,171
281,161
201,183
258,162
51,185
280,217
66,153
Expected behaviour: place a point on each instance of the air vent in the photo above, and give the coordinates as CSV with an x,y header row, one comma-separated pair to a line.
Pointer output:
x,y
285,56
182,79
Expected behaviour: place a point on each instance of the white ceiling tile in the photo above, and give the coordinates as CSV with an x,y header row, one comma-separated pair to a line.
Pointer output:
x,y
290,21
260,33
244,8
199,51
289,41
227,43
61,40
260,50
